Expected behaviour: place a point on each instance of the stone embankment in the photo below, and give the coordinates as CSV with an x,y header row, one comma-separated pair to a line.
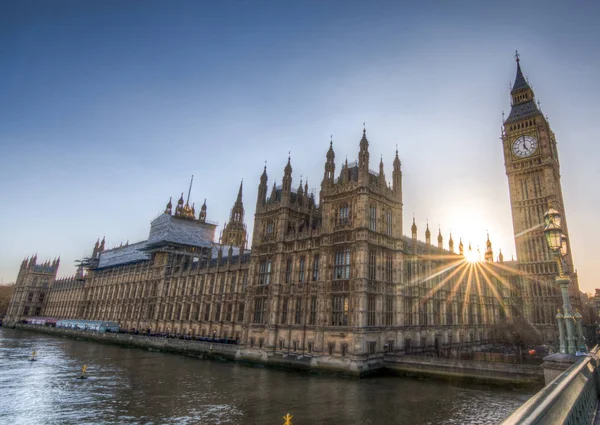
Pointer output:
x,y
489,372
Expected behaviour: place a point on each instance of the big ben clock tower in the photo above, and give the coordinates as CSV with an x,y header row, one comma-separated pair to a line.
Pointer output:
x,y
533,170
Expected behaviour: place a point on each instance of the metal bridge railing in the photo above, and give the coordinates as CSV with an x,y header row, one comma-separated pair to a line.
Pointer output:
x,y
570,399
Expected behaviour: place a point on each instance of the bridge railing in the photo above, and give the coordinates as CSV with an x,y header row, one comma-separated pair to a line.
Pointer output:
x,y
571,398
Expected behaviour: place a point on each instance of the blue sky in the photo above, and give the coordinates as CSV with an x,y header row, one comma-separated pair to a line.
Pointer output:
x,y
107,108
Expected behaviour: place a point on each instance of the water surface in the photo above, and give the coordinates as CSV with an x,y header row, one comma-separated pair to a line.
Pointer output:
x,y
133,386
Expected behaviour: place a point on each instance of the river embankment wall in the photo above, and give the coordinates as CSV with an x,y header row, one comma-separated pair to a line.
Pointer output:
x,y
489,372
456,369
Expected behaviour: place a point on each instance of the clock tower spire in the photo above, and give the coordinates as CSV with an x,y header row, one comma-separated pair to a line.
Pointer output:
x,y
533,171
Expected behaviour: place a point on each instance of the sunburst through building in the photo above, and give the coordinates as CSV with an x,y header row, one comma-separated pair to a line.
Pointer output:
x,y
334,280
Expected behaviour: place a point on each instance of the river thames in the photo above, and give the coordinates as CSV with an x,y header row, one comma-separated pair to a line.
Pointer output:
x,y
132,386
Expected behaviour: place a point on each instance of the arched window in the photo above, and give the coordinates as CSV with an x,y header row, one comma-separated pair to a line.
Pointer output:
x,y
388,222
373,218
344,214
270,227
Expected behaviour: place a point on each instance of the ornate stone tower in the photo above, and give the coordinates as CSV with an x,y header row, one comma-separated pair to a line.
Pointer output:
x,y
533,170
235,231
31,288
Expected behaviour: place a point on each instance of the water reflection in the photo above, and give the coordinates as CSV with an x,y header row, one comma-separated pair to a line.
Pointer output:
x,y
131,386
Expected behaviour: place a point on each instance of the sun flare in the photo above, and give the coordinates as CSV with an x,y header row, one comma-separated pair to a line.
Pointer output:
x,y
471,257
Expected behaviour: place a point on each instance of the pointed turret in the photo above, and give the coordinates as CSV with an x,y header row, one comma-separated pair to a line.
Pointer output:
x,y
328,175
413,229
234,232
397,178
427,234
286,182
451,243
522,96
489,253
500,257
102,243
202,215
440,239
261,198
381,173
179,208
363,158
274,193
461,248
239,195
95,250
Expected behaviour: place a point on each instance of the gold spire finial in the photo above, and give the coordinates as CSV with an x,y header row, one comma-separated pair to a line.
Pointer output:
x,y
517,56
288,419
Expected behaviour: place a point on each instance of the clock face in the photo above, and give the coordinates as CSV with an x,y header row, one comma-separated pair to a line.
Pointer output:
x,y
524,146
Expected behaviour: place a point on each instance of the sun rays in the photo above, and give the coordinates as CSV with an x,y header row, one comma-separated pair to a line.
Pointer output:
x,y
469,283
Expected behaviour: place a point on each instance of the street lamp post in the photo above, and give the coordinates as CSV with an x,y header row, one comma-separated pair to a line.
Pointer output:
x,y
557,242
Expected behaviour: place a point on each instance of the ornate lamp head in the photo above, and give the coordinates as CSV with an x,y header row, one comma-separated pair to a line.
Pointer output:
x,y
563,245
553,231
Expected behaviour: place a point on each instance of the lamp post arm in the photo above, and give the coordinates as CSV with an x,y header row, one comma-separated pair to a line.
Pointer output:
x,y
559,262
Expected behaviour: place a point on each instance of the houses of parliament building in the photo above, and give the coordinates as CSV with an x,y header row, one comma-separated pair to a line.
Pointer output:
x,y
336,281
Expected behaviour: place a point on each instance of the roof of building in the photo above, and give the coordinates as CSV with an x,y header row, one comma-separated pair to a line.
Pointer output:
x,y
167,229
128,254
520,81
522,111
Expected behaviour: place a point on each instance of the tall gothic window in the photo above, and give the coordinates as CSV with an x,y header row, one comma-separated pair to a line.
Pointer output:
x,y
408,311
388,267
218,312
298,315
341,268
260,306
264,272
284,311
244,281
315,272
388,222
373,218
372,265
371,310
344,214
240,312
388,310
288,270
206,312
270,228
312,315
339,310
233,282
301,269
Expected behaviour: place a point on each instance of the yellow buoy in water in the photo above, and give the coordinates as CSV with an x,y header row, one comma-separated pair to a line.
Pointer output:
x,y
83,369
288,419
32,359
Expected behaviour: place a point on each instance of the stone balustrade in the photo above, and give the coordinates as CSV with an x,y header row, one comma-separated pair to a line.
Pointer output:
x,y
570,399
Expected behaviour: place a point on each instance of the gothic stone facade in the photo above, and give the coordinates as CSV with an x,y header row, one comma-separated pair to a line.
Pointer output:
x,y
331,281
336,281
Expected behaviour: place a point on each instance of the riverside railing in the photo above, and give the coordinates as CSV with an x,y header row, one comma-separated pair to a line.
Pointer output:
x,y
571,399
